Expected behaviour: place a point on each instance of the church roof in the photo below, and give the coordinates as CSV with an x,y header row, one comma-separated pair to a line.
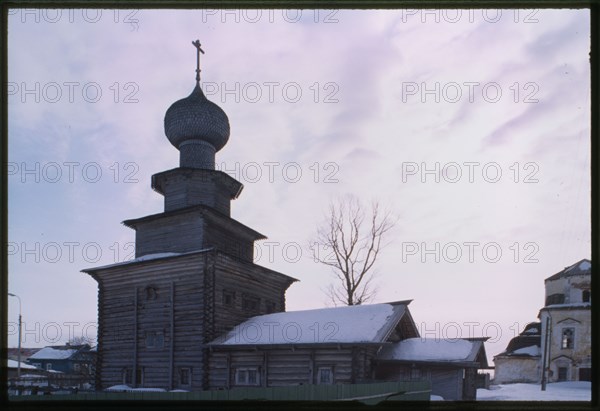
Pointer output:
x,y
581,267
339,325
196,118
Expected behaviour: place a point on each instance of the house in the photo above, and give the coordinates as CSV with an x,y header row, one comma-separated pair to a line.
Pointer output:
x,y
521,361
343,345
567,324
322,346
68,359
450,365
559,347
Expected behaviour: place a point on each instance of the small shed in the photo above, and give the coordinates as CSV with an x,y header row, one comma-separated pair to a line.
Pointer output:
x,y
449,364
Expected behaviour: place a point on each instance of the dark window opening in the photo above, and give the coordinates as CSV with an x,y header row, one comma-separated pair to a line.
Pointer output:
x,y
555,299
185,376
228,298
562,373
250,303
155,340
585,296
139,376
127,378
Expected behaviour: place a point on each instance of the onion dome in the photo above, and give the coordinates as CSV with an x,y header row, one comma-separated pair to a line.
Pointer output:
x,y
197,127
196,118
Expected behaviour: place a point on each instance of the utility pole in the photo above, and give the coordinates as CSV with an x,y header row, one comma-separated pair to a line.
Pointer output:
x,y
20,323
546,354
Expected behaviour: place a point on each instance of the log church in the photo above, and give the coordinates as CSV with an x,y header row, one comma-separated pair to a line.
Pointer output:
x,y
193,275
192,311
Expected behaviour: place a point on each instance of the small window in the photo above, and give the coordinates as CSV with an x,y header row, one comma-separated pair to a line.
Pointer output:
x,y
562,373
555,299
228,298
247,376
76,367
48,366
325,375
139,376
127,376
37,364
155,340
151,293
415,373
250,303
585,296
567,338
185,376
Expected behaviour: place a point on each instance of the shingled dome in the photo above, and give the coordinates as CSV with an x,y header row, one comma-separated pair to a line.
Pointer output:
x,y
196,118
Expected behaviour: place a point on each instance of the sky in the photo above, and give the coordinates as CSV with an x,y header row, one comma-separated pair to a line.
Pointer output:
x,y
472,127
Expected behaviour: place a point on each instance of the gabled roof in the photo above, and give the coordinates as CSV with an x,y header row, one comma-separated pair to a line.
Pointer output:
x,y
436,350
581,267
357,324
58,352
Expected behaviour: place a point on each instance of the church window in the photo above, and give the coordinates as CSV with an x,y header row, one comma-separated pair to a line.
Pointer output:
x,y
567,338
585,296
228,298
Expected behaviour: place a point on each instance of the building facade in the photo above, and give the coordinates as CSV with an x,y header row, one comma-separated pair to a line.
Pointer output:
x,y
559,347
567,324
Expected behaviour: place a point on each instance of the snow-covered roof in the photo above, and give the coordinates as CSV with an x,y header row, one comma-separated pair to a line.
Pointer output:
x,y
52,353
147,257
432,349
532,350
350,324
582,267
15,364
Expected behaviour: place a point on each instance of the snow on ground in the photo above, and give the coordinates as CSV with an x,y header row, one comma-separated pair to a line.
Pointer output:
x,y
557,391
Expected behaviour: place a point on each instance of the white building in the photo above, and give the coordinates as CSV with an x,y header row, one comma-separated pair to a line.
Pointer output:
x,y
567,324
561,340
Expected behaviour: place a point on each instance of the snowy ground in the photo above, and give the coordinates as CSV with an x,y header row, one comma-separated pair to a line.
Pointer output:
x,y
558,391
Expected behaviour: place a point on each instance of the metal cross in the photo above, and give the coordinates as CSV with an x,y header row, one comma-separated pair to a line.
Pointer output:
x,y
198,50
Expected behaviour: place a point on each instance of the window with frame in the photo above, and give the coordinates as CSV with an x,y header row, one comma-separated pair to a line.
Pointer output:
x,y
415,373
185,376
562,373
247,376
325,375
48,366
567,340
155,340
585,296
76,367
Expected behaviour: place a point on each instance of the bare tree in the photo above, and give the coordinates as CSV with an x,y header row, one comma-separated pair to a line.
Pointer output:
x,y
349,242
81,340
